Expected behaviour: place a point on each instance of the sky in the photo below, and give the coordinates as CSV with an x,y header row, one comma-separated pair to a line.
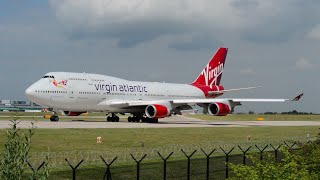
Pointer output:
x,y
273,44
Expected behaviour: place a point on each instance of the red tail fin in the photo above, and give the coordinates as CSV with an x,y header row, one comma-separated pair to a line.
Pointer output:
x,y
212,72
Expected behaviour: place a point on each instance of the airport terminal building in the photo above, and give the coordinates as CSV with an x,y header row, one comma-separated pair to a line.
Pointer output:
x,y
19,105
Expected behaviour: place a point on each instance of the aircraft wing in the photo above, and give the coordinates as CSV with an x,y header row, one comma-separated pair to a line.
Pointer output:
x,y
233,101
177,102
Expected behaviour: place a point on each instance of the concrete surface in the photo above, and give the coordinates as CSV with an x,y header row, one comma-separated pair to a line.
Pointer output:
x,y
175,121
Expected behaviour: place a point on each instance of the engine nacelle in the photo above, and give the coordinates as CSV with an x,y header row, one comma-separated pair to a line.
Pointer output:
x,y
157,111
71,113
219,109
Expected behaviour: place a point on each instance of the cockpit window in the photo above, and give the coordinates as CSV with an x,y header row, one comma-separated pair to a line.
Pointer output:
x,y
48,76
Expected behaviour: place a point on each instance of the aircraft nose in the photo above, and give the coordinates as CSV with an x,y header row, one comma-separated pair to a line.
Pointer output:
x,y
30,92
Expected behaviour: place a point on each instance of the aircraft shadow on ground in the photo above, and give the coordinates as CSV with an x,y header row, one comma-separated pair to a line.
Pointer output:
x,y
173,123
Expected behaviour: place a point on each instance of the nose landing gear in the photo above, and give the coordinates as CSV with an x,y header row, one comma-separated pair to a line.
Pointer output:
x,y
54,118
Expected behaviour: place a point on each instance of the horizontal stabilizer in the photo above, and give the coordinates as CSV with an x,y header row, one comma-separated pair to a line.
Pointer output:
x,y
230,90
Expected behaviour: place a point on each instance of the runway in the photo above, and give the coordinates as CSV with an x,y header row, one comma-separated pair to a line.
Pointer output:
x,y
172,122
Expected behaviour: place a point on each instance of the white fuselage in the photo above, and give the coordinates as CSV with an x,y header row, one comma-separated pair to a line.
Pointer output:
x,y
85,92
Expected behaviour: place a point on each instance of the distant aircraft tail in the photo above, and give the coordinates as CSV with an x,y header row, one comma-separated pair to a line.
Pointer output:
x,y
212,72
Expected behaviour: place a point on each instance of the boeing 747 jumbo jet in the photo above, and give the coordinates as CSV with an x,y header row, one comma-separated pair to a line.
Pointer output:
x,y
77,93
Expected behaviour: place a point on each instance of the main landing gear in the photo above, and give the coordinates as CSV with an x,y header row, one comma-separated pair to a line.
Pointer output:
x,y
113,118
137,118
134,118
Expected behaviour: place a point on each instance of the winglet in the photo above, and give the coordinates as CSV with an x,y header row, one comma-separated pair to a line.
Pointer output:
x,y
297,98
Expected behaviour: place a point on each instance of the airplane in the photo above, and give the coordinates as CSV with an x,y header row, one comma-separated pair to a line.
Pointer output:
x,y
78,93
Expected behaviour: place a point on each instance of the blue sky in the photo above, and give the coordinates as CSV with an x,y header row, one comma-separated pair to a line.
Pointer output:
x,y
274,44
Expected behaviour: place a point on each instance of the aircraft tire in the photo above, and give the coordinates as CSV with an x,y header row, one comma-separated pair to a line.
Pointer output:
x,y
117,119
136,119
129,119
54,118
108,119
149,120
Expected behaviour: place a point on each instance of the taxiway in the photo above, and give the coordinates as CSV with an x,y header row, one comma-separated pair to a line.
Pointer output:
x,y
172,122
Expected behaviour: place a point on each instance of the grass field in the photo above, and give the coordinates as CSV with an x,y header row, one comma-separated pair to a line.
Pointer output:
x,y
119,139
77,144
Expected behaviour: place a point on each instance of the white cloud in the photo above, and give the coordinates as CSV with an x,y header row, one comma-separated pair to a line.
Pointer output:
x,y
95,13
314,33
141,20
304,64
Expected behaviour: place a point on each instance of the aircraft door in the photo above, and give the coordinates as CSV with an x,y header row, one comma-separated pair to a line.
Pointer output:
x,y
98,96
71,93
76,100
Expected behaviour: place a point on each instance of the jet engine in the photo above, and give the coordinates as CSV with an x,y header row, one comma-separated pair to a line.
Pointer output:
x,y
219,109
157,111
71,113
